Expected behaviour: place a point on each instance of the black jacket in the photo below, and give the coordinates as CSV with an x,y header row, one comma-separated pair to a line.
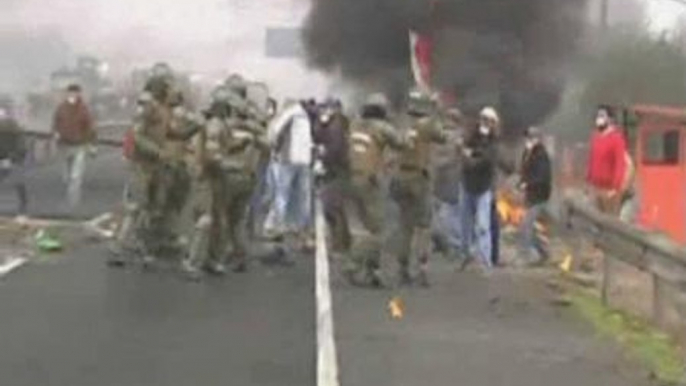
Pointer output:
x,y
537,175
12,144
334,138
478,173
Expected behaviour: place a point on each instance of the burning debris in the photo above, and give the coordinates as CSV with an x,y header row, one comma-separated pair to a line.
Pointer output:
x,y
502,52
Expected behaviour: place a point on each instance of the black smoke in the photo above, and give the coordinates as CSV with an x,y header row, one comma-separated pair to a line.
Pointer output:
x,y
508,53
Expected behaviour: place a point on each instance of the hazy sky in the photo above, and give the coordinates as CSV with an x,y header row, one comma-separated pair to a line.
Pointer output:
x,y
155,25
664,14
201,35
142,29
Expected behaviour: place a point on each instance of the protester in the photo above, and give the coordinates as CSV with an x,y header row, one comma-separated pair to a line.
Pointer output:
x,y
331,137
607,162
536,183
447,178
12,156
478,176
74,133
290,136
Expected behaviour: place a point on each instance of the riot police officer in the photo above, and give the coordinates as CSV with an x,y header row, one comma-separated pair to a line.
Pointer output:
x,y
161,182
370,135
228,152
411,188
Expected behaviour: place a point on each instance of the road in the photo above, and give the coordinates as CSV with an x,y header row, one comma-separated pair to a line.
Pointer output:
x,y
76,322
68,320
104,181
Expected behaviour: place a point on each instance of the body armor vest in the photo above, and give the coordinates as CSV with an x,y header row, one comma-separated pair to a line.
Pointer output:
x,y
417,155
366,148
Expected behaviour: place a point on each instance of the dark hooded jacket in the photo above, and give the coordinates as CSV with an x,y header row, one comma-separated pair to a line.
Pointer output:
x,y
478,170
536,174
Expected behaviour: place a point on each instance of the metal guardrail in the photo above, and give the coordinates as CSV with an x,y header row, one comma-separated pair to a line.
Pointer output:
x,y
650,252
101,128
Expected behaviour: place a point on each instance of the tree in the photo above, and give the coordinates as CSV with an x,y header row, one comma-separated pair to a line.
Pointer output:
x,y
630,66
636,67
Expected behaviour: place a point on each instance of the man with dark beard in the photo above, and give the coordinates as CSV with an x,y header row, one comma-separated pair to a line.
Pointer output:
x,y
607,162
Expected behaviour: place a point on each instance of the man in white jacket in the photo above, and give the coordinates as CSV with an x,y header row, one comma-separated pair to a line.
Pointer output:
x,y
290,135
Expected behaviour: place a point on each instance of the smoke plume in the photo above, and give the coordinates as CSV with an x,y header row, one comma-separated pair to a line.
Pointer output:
x,y
508,53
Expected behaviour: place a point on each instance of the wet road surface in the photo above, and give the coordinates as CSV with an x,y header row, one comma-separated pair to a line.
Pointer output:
x,y
75,322
103,187
471,330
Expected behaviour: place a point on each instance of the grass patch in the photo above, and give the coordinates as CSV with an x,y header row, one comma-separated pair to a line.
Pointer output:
x,y
653,348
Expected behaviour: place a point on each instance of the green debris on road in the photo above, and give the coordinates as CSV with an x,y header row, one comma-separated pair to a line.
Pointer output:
x,y
653,348
45,241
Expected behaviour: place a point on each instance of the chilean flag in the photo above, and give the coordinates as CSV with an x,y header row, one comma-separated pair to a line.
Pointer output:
x,y
421,48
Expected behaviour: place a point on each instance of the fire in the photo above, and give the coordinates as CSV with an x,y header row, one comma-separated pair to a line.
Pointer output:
x,y
509,210
512,213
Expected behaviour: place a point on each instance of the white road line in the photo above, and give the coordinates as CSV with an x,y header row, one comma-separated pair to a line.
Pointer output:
x,y
10,264
99,220
327,361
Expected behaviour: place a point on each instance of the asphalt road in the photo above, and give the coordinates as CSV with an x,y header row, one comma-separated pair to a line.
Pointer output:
x,y
68,320
473,331
103,185
74,322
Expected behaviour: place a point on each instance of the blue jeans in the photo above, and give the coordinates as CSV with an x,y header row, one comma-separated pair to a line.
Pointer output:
x,y
476,225
448,224
292,204
74,159
300,209
532,240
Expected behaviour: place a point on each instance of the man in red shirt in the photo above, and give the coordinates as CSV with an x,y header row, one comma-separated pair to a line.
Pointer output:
x,y
74,134
607,162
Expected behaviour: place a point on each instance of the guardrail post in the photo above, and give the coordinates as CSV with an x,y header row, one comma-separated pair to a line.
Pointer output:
x,y
658,311
606,280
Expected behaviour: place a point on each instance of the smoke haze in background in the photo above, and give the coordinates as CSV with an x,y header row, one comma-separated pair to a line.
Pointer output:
x,y
213,37
504,52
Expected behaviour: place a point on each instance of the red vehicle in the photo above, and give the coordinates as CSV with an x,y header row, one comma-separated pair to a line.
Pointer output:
x,y
657,136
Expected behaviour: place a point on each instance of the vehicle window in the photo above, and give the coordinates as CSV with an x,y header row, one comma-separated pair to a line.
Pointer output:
x,y
661,147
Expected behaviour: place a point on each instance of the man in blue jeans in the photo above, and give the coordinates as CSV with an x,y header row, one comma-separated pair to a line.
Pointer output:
x,y
291,138
479,163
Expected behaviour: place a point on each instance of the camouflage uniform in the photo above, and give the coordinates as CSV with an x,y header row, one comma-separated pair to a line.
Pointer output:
x,y
411,187
160,185
228,153
370,135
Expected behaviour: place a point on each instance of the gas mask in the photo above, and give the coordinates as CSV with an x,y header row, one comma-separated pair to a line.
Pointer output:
x,y
325,117
601,122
